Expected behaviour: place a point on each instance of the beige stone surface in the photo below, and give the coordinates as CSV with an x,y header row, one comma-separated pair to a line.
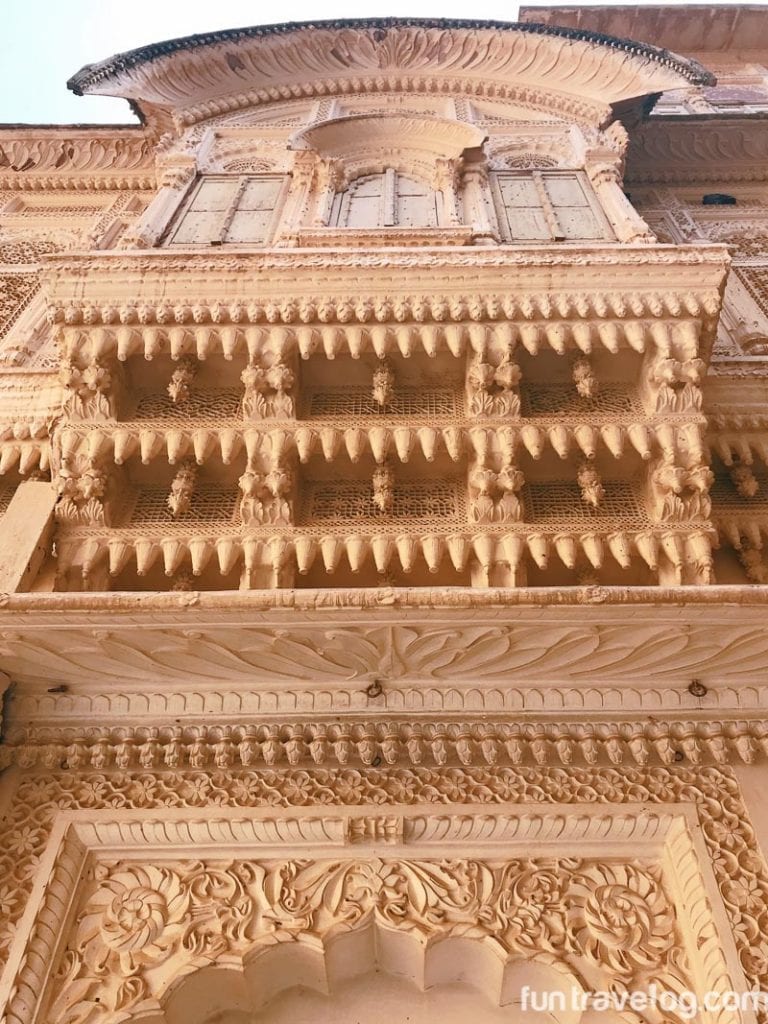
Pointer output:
x,y
383,473
26,534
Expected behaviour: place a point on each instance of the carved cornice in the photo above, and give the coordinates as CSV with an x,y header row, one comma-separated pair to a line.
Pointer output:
x,y
567,255
65,158
354,742
206,75
436,636
310,286
689,150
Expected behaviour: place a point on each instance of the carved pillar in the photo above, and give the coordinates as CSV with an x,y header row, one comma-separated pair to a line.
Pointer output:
x,y
327,182
476,196
446,177
298,200
625,220
174,178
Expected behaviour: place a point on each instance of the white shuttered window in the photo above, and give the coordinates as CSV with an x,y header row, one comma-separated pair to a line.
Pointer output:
x,y
385,200
547,206
230,210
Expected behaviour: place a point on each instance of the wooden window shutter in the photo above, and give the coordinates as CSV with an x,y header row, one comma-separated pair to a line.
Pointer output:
x,y
386,200
361,206
201,222
520,209
238,210
572,206
547,206
251,221
415,204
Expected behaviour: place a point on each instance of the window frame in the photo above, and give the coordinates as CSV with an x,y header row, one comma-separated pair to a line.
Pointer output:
x,y
240,183
548,209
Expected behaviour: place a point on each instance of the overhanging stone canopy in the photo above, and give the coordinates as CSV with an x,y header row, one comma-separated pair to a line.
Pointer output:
x,y
579,73
349,137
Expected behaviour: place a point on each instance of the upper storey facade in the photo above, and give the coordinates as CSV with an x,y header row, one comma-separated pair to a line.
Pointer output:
x,y
359,303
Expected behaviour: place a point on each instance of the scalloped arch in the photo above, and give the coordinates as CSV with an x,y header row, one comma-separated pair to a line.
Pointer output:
x,y
342,970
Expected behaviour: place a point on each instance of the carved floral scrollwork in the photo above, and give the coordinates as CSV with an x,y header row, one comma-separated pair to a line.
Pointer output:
x,y
494,496
585,379
754,564
609,918
590,485
83,488
179,500
680,493
92,392
679,385
180,385
266,494
383,496
383,384
615,911
744,480
619,917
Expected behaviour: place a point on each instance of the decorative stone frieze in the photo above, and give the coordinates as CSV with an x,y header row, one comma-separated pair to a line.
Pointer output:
x,y
43,159
372,744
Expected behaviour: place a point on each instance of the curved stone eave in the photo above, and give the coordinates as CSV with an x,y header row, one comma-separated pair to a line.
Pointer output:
x,y
197,77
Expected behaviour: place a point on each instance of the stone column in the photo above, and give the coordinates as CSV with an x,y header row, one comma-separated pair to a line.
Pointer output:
x,y
625,220
477,204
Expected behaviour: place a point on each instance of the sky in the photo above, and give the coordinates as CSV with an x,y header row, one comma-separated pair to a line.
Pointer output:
x,y
43,42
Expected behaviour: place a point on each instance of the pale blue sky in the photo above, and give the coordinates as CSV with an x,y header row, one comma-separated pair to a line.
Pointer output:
x,y
44,42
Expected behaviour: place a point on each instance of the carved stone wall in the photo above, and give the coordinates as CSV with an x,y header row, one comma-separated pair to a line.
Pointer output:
x,y
399,633
552,909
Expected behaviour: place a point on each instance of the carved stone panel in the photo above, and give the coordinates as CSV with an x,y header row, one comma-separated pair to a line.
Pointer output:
x,y
559,868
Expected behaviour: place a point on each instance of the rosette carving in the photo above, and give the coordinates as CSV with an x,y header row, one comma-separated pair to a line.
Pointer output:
x,y
612,918
619,917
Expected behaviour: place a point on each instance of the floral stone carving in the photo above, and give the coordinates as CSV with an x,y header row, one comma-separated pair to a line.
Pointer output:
x,y
611,923
618,912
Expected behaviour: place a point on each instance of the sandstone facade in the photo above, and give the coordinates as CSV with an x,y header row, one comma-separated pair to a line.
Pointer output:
x,y
383,446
